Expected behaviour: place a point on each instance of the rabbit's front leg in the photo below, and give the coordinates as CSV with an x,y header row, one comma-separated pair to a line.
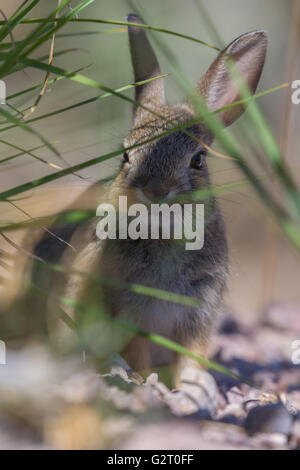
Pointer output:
x,y
196,342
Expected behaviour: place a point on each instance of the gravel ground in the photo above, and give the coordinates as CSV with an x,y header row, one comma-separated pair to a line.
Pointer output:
x,y
68,405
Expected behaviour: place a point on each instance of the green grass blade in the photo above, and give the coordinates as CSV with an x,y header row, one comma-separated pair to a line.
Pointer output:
x,y
16,18
39,85
19,154
34,37
164,342
122,23
24,126
85,102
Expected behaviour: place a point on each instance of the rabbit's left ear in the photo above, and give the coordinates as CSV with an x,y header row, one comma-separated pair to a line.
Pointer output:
x,y
145,66
218,86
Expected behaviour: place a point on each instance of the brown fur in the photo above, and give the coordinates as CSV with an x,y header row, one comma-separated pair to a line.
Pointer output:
x,y
158,168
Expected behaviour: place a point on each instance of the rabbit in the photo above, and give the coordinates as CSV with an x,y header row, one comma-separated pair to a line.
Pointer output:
x,y
170,166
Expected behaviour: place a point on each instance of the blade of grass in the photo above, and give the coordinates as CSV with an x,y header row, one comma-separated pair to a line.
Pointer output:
x,y
124,88
162,341
40,181
268,141
21,249
20,66
26,128
92,33
28,152
122,23
8,45
205,113
35,35
227,140
11,157
89,82
16,18
46,80
89,100
39,85
79,215
158,339
58,22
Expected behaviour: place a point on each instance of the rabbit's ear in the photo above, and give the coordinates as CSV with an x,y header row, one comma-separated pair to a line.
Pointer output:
x,y
145,66
218,86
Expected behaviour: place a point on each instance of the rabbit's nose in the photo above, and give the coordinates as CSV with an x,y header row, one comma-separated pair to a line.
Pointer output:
x,y
155,193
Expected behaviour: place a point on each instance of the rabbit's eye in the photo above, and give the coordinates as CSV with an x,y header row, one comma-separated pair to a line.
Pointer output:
x,y
125,157
197,160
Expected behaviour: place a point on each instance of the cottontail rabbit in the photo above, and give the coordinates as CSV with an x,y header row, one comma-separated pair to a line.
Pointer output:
x,y
169,166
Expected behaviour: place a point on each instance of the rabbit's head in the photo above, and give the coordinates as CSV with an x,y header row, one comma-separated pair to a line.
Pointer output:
x,y
175,163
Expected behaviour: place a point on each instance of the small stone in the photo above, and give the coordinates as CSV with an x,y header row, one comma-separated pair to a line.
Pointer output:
x,y
233,409
235,395
162,389
152,379
269,419
229,326
118,370
198,391
273,441
293,402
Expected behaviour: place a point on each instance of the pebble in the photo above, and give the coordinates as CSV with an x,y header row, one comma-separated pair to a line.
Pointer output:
x,y
198,392
269,419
